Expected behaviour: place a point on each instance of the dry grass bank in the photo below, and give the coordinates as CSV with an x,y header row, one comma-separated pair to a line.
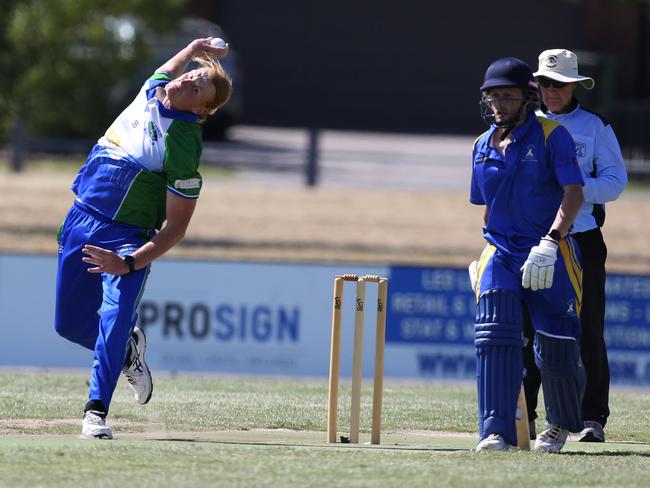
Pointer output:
x,y
241,221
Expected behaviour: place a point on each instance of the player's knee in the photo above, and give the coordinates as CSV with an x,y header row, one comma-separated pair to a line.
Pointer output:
x,y
70,328
557,356
563,379
499,319
64,330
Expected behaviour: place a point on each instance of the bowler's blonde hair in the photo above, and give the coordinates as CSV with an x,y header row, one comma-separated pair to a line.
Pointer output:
x,y
220,80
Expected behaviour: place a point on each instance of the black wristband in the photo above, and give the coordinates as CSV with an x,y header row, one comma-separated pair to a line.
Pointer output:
x,y
130,262
555,235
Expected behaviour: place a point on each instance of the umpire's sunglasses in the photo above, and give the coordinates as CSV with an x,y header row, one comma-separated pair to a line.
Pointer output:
x,y
547,83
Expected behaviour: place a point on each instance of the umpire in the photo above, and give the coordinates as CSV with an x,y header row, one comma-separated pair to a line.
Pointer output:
x,y
605,177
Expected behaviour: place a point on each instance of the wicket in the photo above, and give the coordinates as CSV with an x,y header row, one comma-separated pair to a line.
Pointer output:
x,y
357,358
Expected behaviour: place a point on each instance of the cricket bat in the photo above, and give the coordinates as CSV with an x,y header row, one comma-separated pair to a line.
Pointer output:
x,y
521,422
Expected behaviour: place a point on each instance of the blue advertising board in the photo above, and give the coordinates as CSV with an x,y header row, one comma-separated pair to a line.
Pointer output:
x,y
627,328
275,318
433,309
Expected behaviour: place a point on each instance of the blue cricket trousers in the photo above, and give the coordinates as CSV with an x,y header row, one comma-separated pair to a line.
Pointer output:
x,y
98,311
553,310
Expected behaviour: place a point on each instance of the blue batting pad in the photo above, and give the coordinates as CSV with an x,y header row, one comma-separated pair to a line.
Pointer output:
x,y
563,379
499,369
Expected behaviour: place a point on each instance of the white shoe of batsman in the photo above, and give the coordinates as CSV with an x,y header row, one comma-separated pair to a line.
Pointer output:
x,y
136,370
493,442
537,271
552,439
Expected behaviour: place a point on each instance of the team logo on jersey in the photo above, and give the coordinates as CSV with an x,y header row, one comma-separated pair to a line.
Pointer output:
x,y
152,131
187,184
551,61
480,158
529,155
571,308
581,149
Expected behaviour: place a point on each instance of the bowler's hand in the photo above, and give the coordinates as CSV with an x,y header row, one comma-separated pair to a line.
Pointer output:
x,y
538,268
198,45
105,261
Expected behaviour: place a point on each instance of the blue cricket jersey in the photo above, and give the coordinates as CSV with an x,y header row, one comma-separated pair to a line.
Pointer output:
x,y
523,190
147,151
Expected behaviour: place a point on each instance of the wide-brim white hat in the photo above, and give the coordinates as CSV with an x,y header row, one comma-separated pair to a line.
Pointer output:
x,y
562,65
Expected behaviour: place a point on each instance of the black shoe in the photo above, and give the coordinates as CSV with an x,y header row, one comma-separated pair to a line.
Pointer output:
x,y
593,432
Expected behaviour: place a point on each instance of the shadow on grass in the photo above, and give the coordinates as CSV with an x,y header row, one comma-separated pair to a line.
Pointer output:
x,y
607,453
319,446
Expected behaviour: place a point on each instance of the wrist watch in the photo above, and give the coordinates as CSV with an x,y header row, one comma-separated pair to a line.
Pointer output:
x,y
130,262
555,235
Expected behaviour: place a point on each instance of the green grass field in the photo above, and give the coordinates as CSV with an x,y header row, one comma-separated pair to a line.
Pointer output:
x,y
245,431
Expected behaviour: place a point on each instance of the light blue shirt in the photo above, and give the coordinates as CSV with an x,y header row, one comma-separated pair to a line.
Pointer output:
x,y
600,160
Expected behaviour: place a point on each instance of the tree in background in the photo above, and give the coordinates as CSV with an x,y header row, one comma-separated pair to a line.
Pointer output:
x,y
67,67
6,82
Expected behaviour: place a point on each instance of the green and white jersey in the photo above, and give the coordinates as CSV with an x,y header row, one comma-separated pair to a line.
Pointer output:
x,y
147,151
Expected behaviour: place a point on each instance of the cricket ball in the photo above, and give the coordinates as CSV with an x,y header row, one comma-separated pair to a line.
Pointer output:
x,y
218,42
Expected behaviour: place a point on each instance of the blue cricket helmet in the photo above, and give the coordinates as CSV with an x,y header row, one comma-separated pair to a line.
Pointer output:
x,y
509,72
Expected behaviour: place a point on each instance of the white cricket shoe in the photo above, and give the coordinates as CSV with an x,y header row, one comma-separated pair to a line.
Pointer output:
x,y
136,370
552,439
593,432
94,425
493,442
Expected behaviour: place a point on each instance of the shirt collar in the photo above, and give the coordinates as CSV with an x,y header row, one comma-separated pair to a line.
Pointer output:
x,y
519,131
523,129
170,113
573,106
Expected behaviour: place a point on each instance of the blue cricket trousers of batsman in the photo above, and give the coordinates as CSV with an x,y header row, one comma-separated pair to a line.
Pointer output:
x,y
98,311
499,340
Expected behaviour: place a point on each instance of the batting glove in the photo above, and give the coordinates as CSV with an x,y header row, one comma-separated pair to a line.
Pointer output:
x,y
538,268
473,274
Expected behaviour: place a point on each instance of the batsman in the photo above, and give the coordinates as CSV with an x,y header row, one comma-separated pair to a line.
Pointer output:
x,y
525,173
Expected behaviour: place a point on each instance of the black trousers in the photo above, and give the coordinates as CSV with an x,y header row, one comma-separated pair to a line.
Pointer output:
x,y
595,403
